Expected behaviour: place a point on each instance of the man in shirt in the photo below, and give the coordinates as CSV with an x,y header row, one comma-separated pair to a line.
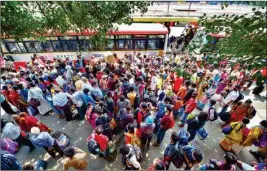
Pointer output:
x,y
101,140
61,101
60,80
96,92
76,158
14,133
131,95
230,98
45,141
77,99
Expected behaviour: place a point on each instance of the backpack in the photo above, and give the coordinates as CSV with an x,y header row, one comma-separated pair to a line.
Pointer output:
x,y
135,141
137,152
178,159
93,146
188,150
183,137
215,114
239,98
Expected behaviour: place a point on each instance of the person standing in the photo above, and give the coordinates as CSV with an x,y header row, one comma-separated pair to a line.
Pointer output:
x,y
165,124
77,99
76,158
36,93
6,106
147,130
45,141
190,105
62,101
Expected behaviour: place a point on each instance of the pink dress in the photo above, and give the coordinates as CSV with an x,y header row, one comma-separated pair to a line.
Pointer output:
x,y
91,117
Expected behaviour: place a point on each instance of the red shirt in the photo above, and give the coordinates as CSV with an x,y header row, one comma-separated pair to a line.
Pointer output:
x,y
190,105
101,140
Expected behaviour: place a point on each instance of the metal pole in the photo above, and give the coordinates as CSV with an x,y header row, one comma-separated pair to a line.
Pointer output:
x,y
168,8
189,8
166,43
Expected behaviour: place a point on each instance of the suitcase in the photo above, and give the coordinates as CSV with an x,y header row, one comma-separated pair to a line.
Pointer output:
x,y
9,145
63,139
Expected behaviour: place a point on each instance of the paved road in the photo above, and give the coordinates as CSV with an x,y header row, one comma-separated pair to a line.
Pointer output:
x,y
79,131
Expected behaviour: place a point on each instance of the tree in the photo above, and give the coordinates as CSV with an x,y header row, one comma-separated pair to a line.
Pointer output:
x,y
245,40
35,18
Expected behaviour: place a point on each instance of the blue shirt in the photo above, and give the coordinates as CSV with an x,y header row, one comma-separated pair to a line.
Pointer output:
x,y
97,93
43,139
87,98
61,99
77,98
24,94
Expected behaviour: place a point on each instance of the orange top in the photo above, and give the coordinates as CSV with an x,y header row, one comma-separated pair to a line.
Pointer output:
x,y
182,92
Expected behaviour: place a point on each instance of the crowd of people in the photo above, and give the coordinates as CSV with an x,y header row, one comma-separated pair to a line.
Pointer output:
x,y
139,96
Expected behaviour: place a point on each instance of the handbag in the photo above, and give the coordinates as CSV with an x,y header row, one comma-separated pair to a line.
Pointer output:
x,y
34,102
228,128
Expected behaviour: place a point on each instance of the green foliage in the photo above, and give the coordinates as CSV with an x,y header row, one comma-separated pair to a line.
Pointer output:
x,y
35,18
245,41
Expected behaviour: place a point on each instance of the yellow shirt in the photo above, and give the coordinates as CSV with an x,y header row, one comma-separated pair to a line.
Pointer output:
x,y
131,96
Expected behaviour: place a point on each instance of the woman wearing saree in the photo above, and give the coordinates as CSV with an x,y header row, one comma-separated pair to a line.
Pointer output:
x,y
237,135
17,100
36,93
26,122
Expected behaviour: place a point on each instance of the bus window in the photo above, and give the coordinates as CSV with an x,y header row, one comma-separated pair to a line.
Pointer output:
x,y
86,44
128,44
140,44
30,46
22,47
13,48
38,46
153,44
110,45
120,44
3,47
48,46
56,45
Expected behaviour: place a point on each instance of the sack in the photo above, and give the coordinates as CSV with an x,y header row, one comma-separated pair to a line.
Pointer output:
x,y
93,146
202,133
262,140
63,139
237,148
35,102
9,145
40,165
